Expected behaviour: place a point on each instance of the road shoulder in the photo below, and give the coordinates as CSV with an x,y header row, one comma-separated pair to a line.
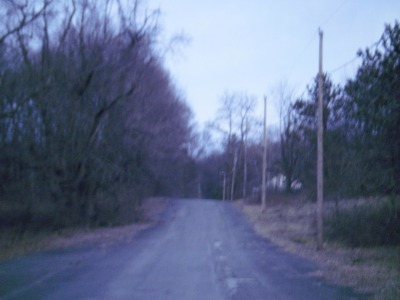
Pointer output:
x,y
12,245
291,227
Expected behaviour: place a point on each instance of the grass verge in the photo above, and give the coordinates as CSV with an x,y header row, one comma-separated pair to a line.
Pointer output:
x,y
289,221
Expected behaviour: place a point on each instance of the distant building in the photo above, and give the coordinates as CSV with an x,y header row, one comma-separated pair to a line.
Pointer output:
x,y
275,184
278,184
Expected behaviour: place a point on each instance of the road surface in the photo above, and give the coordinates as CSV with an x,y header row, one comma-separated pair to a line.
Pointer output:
x,y
199,250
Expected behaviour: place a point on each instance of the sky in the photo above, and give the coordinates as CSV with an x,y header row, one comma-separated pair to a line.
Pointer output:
x,y
254,45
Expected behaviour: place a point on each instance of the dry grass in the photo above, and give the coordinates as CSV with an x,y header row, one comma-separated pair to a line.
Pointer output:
x,y
290,223
13,244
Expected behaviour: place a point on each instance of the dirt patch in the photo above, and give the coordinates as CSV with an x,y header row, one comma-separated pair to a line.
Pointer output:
x,y
291,224
13,244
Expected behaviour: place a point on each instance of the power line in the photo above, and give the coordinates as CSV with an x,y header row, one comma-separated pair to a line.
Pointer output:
x,y
343,66
312,38
375,44
334,13
327,20
302,52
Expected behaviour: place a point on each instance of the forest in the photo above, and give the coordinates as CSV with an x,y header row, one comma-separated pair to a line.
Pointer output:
x,y
91,122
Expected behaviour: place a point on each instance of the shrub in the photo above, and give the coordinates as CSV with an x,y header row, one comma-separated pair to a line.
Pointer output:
x,y
366,225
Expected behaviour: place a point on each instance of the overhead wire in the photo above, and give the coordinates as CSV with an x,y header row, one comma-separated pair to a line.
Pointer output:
x,y
313,36
302,52
343,65
330,17
311,40
334,70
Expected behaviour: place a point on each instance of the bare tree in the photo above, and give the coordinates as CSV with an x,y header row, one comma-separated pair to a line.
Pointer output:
x,y
289,136
233,122
87,112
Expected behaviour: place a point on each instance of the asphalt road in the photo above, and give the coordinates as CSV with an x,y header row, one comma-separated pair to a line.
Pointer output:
x,y
199,250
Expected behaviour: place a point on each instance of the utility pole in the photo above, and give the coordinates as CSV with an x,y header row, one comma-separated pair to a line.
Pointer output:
x,y
320,152
245,161
223,185
264,165
234,174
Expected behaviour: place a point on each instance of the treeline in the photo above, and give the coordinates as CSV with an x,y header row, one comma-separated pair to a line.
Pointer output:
x,y
233,169
361,126
361,134
90,122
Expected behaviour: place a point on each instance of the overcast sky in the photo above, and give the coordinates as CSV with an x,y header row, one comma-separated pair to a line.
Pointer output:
x,y
253,45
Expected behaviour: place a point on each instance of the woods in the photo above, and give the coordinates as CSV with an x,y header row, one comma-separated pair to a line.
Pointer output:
x,y
91,122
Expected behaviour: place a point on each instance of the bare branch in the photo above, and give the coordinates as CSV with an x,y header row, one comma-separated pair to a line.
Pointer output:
x,y
25,20
68,25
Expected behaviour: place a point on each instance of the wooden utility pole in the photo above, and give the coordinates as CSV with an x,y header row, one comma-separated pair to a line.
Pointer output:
x,y
234,174
264,165
320,151
245,162
223,186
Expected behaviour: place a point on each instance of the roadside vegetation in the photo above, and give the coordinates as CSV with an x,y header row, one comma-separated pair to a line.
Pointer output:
x,y
364,222
14,243
361,168
362,262
90,120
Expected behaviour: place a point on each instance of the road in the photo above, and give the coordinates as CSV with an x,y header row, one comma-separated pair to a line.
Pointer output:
x,y
200,249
